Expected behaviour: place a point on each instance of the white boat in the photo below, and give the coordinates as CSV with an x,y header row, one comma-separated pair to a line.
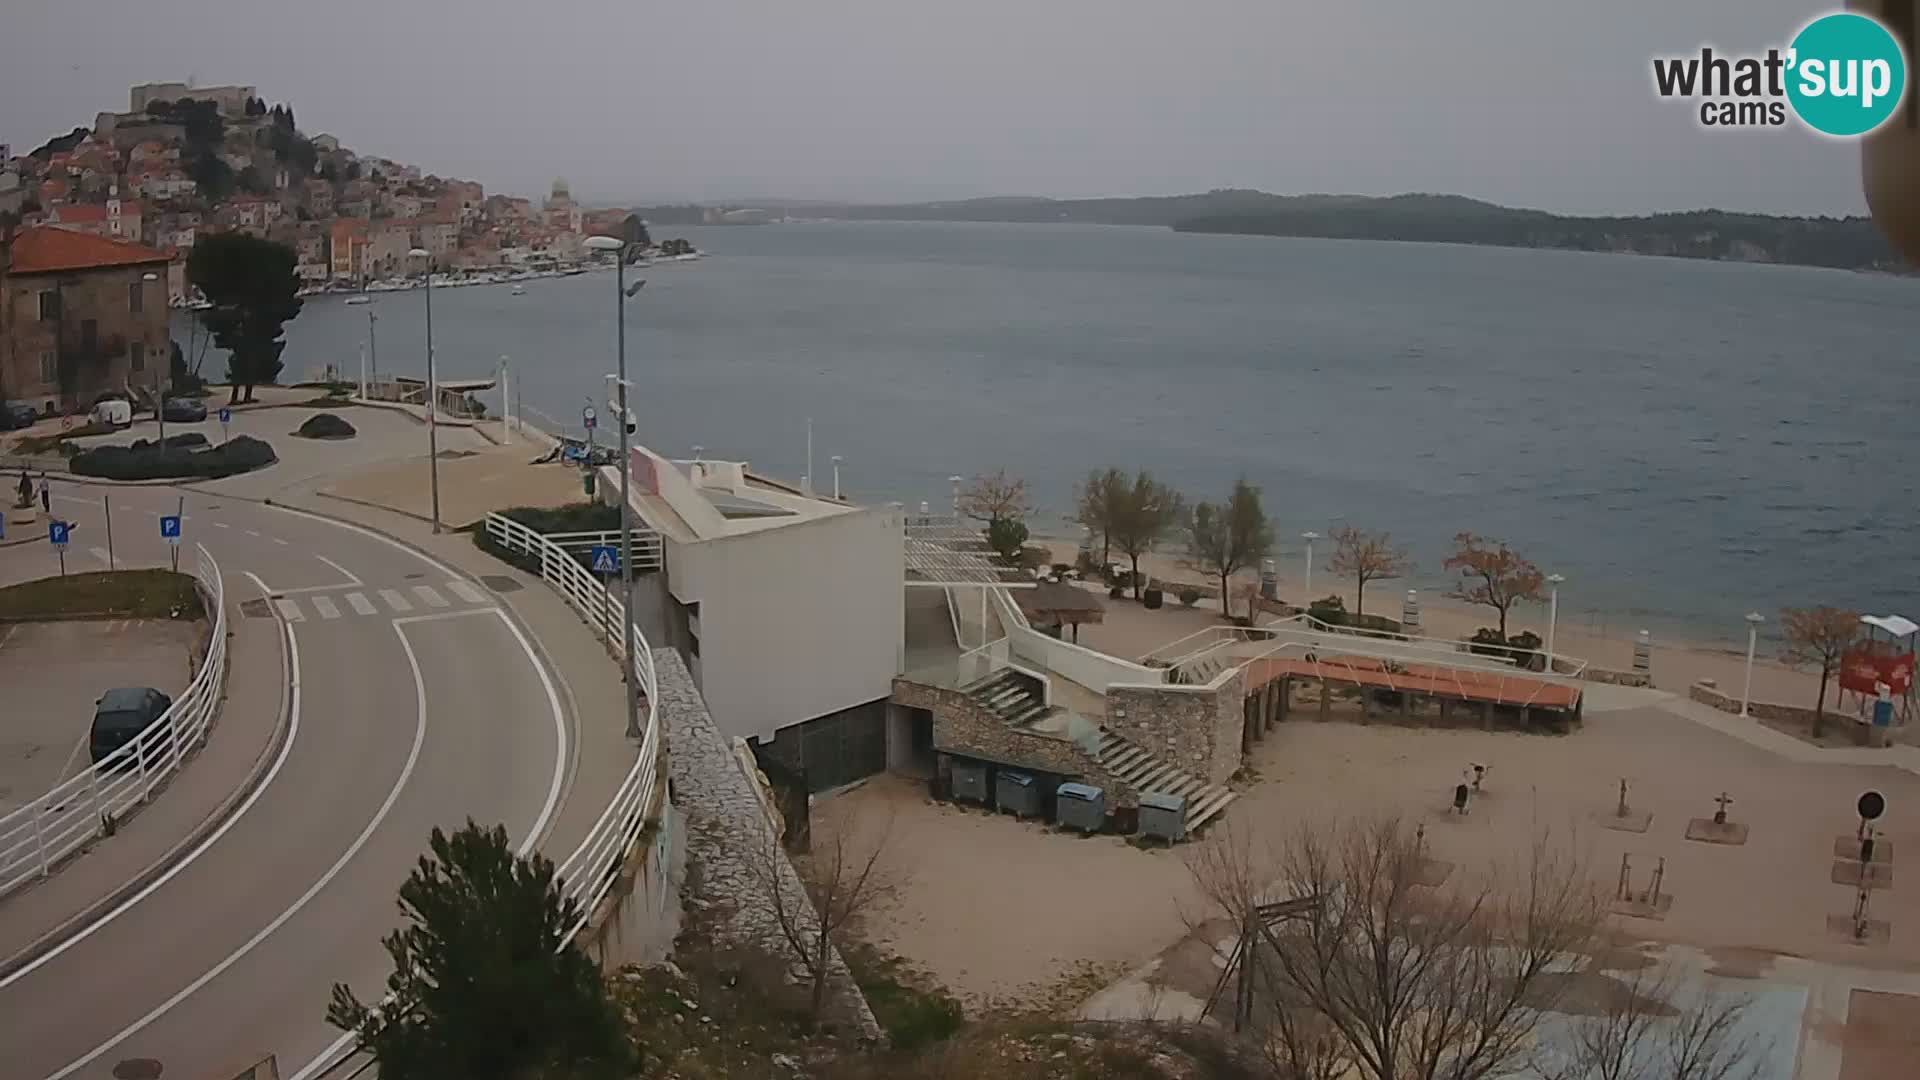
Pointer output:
x,y
519,290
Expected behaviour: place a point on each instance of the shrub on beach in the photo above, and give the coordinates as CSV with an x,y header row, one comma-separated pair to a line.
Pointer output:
x,y
325,426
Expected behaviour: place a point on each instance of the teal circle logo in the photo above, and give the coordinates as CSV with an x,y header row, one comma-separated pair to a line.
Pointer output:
x,y
1846,74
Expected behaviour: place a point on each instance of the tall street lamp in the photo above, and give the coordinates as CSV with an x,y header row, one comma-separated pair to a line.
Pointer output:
x,y
372,358
433,394
159,369
837,459
1309,537
956,480
1754,619
1553,615
620,296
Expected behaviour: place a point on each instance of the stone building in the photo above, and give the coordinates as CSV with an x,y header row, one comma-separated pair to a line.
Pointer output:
x,y
79,315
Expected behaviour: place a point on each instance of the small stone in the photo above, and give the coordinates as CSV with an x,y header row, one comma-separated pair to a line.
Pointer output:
x,y
786,1061
706,1019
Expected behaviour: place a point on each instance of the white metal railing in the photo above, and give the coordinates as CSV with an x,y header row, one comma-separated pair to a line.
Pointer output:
x,y
589,873
73,812
647,548
1319,636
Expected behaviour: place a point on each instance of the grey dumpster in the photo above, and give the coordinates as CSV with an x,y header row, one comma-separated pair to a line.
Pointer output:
x,y
970,782
1163,816
1014,791
1080,806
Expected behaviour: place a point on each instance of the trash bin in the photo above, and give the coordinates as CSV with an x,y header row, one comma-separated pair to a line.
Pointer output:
x,y
1163,816
1014,792
1080,806
970,781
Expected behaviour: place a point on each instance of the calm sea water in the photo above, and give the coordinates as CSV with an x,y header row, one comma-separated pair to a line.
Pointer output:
x,y
1685,441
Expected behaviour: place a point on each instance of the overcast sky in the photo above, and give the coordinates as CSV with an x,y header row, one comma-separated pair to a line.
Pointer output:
x,y
1541,103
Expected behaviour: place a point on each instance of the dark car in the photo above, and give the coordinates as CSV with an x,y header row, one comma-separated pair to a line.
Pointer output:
x,y
15,415
122,714
183,411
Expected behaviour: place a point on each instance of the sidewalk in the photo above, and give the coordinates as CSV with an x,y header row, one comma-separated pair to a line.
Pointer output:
x,y
241,744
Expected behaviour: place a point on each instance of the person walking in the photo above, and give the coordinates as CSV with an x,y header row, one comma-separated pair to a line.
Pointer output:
x,y
26,489
46,495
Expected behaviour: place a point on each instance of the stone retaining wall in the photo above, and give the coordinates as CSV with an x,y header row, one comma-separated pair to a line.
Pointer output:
x,y
1706,693
1620,678
728,835
961,726
1197,729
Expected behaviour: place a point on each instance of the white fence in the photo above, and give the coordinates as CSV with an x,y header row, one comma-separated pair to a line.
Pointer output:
x,y
589,873
39,834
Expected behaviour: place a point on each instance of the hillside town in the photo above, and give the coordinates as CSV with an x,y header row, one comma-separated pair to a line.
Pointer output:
x,y
183,161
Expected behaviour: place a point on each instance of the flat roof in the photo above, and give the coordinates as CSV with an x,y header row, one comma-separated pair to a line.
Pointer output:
x,y
703,499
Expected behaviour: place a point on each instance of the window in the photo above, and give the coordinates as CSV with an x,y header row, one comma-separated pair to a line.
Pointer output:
x,y
49,368
49,306
139,356
89,335
136,297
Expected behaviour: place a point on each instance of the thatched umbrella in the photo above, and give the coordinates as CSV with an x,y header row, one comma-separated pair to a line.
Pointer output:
x,y
1057,604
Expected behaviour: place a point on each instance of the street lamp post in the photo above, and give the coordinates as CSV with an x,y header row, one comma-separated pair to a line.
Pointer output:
x,y
620,295
1553,615
1754,619
1309,537
837,459
506,399
433,395
159,372
956,480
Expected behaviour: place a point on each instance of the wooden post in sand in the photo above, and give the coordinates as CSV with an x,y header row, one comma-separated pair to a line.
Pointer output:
x,y
1326,700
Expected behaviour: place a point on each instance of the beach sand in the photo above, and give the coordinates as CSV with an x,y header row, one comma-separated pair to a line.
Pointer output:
x,y
1677,664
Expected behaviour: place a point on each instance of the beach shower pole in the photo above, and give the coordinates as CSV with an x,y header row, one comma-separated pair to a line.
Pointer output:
x,y
837,459
1553,615
1309,537
433,395
1754,619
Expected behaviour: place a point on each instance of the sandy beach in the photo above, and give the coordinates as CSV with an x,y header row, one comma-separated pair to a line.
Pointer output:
x,y
1676,663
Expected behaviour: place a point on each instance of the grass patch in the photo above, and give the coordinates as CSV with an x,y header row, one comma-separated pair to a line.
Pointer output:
x,y
104,594
911,1011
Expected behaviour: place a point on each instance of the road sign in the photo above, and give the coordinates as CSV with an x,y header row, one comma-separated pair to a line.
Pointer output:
x,y
57,533
170,528
588,418
225,415
606,559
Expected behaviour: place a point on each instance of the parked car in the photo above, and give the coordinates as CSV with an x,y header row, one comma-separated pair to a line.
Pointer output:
x,y
122,714
113,411
183,411
15,415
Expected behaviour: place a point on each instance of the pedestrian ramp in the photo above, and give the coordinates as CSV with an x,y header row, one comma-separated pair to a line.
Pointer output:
x,y
357,603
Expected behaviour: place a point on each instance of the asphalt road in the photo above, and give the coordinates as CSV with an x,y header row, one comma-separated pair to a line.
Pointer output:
x,y
417,703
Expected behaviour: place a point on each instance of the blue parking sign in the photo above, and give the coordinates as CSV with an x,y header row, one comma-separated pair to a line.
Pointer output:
x,y
170,528
57,533
225,415
605,559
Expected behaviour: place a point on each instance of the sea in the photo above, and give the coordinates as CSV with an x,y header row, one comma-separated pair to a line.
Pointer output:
x,y
1684,441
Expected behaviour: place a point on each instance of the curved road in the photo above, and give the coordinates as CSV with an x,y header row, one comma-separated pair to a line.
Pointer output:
x,y
415,702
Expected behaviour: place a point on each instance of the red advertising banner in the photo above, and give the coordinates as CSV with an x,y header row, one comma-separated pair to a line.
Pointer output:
x,y
1862,670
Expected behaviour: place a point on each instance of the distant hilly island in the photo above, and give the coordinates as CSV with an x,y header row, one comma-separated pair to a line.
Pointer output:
x,y
1849,243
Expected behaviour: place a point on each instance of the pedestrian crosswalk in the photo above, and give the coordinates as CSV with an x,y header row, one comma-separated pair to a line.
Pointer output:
x,y
325,607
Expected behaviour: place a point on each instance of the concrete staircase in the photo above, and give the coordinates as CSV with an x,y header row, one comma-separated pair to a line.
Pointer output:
x,y
1011,696
1130,762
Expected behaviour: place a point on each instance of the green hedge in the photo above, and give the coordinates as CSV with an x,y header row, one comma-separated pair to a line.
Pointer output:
x,y
180,459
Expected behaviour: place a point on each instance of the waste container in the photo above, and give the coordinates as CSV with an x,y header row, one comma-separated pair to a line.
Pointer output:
x,y
1080,806
970,782
1015,793
1163,816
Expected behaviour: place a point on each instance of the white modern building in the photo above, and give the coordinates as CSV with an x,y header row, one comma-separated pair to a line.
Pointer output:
x,y
788,606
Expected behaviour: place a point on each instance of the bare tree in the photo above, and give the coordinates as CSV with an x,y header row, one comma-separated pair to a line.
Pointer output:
x,y
1652,1024
1494,575
1227,538
1366,556
842,878
1093,503
1396,981
1819,636
1143,511
996,497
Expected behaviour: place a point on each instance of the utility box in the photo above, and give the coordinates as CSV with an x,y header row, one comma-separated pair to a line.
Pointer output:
x,y
1015,792
1080,806
1163,816
970,782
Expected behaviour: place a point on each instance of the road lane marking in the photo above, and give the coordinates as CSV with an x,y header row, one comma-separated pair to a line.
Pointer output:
x,y
344,572
395,600
325,1059
221,525
466,592
255,533
76,499
292,657
289,610
361,605
380,815
101,554
279,541
324,605
431,597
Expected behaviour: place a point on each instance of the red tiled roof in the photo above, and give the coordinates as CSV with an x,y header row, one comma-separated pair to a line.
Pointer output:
x,y
46,249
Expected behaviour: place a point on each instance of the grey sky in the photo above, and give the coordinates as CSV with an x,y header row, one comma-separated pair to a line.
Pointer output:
x,y
1543,103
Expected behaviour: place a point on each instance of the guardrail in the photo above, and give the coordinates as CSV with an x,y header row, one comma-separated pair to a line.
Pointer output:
x,y
47,829
589,873
510,534
1451,652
